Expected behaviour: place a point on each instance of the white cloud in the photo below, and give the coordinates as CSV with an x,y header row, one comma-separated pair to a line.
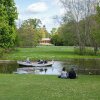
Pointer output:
x,y
37,7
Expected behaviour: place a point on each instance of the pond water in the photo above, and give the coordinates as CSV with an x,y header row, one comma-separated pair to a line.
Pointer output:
x,y
81,66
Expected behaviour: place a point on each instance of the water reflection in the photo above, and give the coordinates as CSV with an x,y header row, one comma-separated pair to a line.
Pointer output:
x,y
82,66
8,67
86,66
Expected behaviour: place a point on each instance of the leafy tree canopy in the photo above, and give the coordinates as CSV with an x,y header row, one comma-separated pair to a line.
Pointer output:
x,y
8,14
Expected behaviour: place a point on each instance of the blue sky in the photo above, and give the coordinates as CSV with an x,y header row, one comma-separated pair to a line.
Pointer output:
x,y
44,10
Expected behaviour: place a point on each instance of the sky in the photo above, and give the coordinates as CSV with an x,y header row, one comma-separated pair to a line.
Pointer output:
x,y
45,10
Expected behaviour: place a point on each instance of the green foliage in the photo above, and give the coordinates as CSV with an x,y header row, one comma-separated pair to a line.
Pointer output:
x,y
29,33
44,32
98,13
56,40
8,14
1,52
64,35
54,31
25,37
86,23
96,26
66,32
33,23
37,37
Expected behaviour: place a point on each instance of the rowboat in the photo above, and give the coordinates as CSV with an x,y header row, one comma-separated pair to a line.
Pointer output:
x,y
24,63
35,64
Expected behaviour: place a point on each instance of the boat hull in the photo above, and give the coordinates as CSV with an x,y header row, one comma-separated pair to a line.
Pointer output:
x,y
25,64
34,64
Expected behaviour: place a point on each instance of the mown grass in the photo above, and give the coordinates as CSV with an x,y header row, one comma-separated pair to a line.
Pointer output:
x,y
46,87
46,52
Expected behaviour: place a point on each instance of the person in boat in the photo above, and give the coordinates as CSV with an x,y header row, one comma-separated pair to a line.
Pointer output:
x,y
40,61
72,74
27,60
64,73
45,62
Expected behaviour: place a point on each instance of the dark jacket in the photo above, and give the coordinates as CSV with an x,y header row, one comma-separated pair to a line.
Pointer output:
x,y
72,74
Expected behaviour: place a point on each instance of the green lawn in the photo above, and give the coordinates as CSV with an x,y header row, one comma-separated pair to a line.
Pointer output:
x,y
45,52
46,87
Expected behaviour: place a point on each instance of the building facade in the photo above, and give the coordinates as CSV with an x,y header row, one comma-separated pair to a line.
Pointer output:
x,y
45,41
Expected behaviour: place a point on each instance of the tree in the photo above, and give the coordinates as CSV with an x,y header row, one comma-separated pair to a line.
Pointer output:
x,y
73,12
29,33
8,14
77,10
34,23
44,32
96,29
54,31
25,37
66,32
56,39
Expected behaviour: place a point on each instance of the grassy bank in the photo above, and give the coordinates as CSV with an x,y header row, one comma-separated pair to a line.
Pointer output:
x,y
46,52
45,87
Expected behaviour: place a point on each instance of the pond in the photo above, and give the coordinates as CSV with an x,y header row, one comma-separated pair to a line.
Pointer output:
x,y
81,66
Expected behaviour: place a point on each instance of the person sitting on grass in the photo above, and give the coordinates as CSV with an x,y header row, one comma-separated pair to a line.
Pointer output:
x,y
64,73
72,74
